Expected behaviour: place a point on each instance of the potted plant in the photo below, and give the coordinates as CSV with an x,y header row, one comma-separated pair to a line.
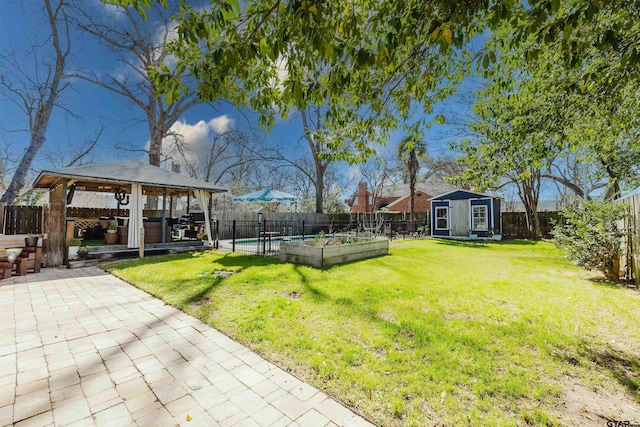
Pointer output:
x,y
495,234
111,235
473,236
31,240
74,247
83,252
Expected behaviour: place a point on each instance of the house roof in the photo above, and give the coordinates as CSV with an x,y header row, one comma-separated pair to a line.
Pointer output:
x,y
400,199
110,176
431,188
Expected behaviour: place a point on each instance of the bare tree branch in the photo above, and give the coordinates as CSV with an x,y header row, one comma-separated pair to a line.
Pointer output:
x,y
40,100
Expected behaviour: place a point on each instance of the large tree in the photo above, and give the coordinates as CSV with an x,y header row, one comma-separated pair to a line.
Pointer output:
x,y
373,63
505,140
37,93
138,46
570,116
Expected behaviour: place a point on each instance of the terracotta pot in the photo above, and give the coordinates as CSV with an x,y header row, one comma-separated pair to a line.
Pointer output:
x,y
110,238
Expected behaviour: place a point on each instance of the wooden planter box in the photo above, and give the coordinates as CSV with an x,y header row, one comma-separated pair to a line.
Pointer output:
x,y
321,256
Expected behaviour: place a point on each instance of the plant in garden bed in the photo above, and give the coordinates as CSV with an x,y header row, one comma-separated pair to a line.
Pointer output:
x,y
321,240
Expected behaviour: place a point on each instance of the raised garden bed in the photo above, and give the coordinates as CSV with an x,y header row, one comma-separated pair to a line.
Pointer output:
x,y
321,256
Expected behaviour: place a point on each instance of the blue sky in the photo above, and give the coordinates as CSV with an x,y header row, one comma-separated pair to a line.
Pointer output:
x,y
123,123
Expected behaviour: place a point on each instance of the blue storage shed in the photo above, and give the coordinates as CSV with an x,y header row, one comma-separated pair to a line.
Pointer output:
x,y
460,213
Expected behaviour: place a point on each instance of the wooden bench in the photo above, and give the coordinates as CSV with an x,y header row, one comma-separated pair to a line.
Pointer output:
x,y
19,265
6,268
32,258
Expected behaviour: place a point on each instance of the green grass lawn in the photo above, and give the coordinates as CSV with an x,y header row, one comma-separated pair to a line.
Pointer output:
x,y
436,332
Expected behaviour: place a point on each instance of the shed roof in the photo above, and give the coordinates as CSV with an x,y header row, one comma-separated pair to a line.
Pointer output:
x,y
110,176
464,194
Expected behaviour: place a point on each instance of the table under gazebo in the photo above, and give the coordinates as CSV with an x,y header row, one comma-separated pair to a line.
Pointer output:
x,y
129,181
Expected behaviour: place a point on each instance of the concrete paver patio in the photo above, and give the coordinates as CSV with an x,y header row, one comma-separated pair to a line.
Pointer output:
x,y
82,347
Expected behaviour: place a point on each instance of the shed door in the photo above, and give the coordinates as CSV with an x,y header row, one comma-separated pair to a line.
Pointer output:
x,y
460,218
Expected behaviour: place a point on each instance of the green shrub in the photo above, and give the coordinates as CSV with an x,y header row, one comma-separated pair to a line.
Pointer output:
x,y
589,234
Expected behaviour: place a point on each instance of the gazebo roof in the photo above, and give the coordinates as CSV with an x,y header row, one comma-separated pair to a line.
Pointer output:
x,y
108,177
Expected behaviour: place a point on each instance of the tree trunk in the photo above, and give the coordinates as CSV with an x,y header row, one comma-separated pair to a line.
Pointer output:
x,y
155,157
20,176
319,184
413,172
320,165
612,269
529,192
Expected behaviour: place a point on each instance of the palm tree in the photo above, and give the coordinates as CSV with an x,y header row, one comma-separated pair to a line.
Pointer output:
x,y
409,150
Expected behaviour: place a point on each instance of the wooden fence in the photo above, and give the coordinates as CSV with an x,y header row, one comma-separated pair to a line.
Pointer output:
x,y
76,212
22,219
630,257
514,224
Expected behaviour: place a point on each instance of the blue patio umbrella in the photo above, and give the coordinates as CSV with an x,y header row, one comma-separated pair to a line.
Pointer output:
x,y
266,195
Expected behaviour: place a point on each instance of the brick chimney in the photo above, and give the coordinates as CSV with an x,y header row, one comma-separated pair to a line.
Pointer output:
x,y
360,199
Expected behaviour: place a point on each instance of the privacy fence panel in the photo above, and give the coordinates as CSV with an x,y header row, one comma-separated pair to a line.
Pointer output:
x,y
23,219
76,212
514,224
630,257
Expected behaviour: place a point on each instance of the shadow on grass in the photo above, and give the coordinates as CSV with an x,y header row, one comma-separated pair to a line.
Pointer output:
x,y
477,244
623,366
234,263
517,242
244,261
485,243
318,294
622,284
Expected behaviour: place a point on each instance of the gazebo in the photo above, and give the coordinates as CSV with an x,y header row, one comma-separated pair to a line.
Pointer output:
x,y
131,179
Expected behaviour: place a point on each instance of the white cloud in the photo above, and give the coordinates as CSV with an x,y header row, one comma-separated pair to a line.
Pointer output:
x,y
221,124
110,10
165,33
196,138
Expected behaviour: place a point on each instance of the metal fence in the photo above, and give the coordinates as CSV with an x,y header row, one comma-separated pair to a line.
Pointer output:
x,y
263,238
